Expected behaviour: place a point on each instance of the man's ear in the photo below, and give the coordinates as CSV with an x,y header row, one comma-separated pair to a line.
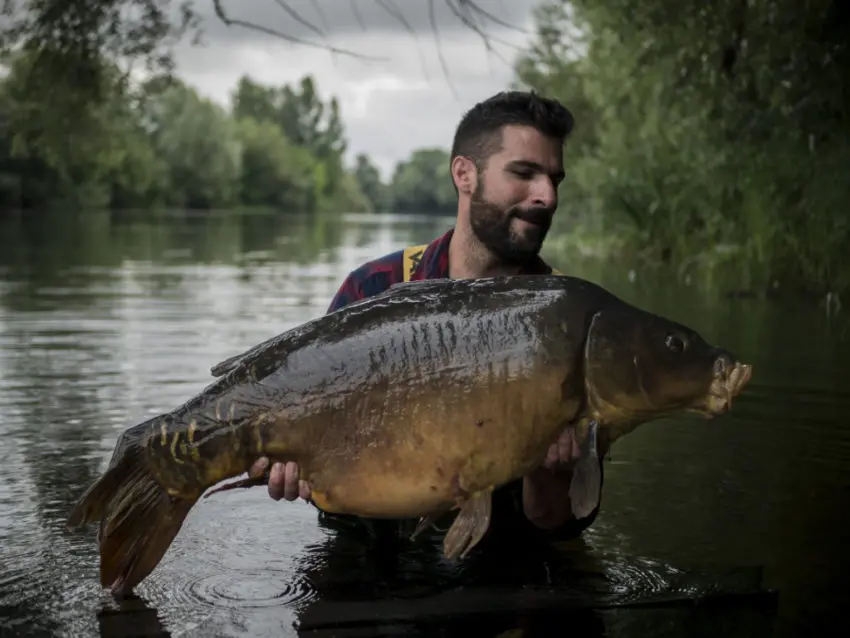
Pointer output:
x,y
464,174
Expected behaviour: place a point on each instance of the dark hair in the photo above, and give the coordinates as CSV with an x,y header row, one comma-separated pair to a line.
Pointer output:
x,y
479,133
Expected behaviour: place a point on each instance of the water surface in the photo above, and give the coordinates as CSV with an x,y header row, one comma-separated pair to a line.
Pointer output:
x,y
106,320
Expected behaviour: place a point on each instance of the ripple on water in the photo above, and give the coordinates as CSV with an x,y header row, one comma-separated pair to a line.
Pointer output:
x,y
634,578
248,589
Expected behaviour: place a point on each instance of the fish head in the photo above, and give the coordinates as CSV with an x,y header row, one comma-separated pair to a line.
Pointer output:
x,y
639,366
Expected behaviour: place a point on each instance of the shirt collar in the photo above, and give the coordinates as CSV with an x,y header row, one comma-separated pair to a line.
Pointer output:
x,y
435,261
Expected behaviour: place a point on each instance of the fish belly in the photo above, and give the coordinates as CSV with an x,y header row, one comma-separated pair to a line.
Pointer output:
x,y
408,453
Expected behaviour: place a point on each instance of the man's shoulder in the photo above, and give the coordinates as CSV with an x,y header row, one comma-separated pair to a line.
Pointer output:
x,y
376,275
391,263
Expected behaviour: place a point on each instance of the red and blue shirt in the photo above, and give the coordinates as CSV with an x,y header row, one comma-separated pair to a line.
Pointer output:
x,y
376,276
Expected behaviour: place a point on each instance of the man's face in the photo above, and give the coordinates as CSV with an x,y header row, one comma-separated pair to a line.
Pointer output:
x,y
511,209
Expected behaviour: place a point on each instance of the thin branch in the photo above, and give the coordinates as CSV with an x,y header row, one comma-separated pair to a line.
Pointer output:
x,y
469,12
318,7
439,48
357,15
465,6
473,6
484,37
393,11
297,17
228,21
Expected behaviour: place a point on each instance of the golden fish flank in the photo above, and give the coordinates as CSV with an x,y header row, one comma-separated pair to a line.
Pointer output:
x,y
412,403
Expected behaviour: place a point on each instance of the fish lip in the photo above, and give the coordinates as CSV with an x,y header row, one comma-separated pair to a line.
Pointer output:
x,y
725,387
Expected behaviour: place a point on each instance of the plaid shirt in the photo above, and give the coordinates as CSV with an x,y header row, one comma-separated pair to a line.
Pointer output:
x,y
376,276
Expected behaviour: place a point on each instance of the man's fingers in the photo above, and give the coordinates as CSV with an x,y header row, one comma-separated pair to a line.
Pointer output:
x,y
290,486
304,490
565,446
551,457
276,481
575,448
259,467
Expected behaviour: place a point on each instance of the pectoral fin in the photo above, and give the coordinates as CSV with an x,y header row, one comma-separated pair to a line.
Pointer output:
x,y
470,525
586,484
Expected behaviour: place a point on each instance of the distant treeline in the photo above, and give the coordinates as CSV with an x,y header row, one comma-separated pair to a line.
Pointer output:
x,y
161,144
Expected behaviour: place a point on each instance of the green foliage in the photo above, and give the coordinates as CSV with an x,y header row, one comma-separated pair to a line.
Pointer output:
x,y
163,145
309,124
708,135
47,158
198,142
423,183
369,178
275,172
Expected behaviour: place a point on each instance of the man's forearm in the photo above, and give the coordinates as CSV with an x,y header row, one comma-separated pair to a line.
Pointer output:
x,y
546,498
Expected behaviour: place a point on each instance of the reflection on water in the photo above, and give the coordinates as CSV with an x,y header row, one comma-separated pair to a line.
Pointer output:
x,y
106,320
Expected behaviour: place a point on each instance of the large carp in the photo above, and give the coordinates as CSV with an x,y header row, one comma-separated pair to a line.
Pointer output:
x,y
409,404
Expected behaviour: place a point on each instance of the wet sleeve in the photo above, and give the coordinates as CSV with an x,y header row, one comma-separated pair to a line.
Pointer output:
x,y
509,516
572,528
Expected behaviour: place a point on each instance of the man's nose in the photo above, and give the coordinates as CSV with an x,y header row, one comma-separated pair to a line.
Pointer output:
x,y
544,192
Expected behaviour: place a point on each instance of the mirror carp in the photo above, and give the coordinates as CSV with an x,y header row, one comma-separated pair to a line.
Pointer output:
x,y
410,404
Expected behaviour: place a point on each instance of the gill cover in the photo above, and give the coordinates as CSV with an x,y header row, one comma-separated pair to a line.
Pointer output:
x,y
612,378
640,366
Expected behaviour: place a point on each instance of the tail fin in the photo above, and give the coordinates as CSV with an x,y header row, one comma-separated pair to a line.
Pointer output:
x,y
138,517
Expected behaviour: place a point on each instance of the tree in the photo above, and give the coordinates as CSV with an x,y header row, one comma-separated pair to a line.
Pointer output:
x,y
199,145
369,179
422,184
49,159
275,172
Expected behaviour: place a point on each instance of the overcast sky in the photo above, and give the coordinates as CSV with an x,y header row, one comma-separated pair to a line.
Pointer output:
x,y
390,106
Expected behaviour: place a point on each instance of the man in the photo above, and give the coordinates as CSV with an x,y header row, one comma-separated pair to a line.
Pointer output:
x,y
506,165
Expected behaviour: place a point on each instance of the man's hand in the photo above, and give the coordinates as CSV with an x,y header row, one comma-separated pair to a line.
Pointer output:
x,y
283,480
546,490
565,451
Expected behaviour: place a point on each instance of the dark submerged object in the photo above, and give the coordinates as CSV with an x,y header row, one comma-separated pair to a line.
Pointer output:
x,y
409,404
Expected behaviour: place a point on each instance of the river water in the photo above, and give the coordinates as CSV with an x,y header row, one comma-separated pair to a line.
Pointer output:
x,y
105,320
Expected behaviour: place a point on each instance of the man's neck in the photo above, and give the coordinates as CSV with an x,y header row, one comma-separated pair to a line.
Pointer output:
x,y
470,259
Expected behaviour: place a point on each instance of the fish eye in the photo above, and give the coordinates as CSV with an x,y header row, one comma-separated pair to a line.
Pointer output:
x,y
675,343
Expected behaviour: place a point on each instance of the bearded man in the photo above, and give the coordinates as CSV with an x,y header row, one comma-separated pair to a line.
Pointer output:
x,y
506,165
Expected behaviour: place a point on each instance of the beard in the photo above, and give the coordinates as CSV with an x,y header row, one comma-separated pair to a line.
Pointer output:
x,y
492,226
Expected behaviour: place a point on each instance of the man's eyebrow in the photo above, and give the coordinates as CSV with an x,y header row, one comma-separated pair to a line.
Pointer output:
x,y
535,167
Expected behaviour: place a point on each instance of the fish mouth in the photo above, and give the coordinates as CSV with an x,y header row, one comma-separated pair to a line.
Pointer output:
x,y
728,383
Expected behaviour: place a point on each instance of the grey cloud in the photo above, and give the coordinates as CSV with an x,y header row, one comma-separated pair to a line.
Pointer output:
x,y
343,18
394,127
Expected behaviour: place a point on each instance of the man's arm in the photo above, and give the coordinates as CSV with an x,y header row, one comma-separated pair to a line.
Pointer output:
x,y
546,498
546,491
